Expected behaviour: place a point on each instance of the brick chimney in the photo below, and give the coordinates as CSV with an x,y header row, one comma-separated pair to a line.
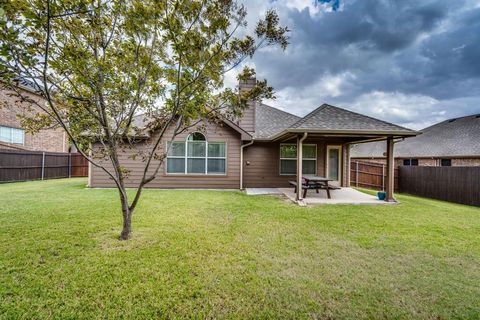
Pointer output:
x,y
247,122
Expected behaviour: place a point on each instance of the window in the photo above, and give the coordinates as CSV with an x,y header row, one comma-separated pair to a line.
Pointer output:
x,y
288,159
196,156
446,162
12,135
410,162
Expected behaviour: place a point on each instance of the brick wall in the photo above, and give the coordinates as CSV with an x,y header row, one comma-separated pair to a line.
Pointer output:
x,y
53,140
475,162
427,162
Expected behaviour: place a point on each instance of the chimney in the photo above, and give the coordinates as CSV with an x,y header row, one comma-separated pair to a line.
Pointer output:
x,y
247,122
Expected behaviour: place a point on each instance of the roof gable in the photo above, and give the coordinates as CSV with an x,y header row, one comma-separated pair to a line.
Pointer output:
x,y
328,117
141,122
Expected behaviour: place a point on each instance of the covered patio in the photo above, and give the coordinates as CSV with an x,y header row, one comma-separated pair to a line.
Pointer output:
x,y
338,196
338,130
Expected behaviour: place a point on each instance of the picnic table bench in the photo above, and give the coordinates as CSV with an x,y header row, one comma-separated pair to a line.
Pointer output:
x,y
314,183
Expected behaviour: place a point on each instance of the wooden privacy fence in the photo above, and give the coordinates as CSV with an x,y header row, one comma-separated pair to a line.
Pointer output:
x,y
36,165
454,184
370,175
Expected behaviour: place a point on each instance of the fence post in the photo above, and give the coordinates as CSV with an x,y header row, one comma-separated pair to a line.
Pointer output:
x,y
356,174
43,165
383,177
69,165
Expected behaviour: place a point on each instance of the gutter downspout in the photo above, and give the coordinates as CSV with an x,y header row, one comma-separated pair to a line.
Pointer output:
x,y
299,197
241,161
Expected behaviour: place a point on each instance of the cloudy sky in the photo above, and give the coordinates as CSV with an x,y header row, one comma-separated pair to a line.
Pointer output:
x,y
411,62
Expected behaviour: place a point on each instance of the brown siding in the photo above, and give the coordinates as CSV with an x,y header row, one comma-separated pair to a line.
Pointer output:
x,y
213,133
247,122
263,170
52,140
262,166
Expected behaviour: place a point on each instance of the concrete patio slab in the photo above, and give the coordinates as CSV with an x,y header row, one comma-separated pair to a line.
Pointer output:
x,y
261,191
339,196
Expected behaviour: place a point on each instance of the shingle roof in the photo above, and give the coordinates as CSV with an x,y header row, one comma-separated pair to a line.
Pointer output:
x,y
270,121
328,117
450,138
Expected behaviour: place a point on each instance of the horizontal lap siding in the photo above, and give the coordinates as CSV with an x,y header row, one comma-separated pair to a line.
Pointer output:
x,y
213,133
263,170
248,118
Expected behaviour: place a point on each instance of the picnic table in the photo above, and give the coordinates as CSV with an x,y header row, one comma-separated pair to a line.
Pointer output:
x,y
312,182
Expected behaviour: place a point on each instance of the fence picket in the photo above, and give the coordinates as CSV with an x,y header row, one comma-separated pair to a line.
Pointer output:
x,y
33,165
454,184
369,175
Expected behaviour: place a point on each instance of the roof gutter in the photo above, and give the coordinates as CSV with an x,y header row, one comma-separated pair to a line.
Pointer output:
x,y
243,146
348,132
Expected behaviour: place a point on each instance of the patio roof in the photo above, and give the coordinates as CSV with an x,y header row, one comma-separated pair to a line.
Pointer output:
x,y
331,120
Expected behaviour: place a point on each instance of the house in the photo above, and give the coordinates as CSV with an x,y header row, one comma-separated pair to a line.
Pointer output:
x,y
453,142
260,150
13,136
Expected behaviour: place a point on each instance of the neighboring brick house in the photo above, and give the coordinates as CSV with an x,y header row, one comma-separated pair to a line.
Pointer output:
x,y
13,136
453,142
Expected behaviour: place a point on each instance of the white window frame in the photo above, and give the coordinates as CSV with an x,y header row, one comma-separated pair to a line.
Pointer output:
x,y
206,157
295,159
216,158
11,135
184,157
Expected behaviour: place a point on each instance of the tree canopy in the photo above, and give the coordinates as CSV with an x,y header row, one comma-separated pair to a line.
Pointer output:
x,y
100,63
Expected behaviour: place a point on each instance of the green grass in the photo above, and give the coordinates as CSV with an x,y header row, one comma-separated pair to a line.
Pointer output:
x,y
207,254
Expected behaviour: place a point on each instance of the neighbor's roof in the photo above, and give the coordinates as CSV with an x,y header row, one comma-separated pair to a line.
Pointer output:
x,y
270,121
450,138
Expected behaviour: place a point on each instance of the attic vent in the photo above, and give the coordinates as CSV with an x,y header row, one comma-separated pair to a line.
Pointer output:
x,y
451,120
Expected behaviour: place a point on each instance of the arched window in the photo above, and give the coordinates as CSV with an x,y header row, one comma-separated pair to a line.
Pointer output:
x,y
196,136
196,155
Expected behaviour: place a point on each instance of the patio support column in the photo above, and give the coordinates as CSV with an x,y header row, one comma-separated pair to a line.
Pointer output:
x,y
390,171
299,195
346,165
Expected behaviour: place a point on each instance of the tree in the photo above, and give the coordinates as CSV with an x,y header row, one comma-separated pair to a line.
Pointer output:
x,y
100,63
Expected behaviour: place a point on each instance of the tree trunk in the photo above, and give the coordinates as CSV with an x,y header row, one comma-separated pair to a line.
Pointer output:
x,y
127,225
127,217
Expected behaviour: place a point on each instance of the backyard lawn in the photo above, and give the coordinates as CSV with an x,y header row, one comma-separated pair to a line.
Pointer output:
x,y
220,254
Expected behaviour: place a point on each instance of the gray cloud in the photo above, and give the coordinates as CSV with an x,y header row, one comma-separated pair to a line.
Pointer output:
x,y
422,57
